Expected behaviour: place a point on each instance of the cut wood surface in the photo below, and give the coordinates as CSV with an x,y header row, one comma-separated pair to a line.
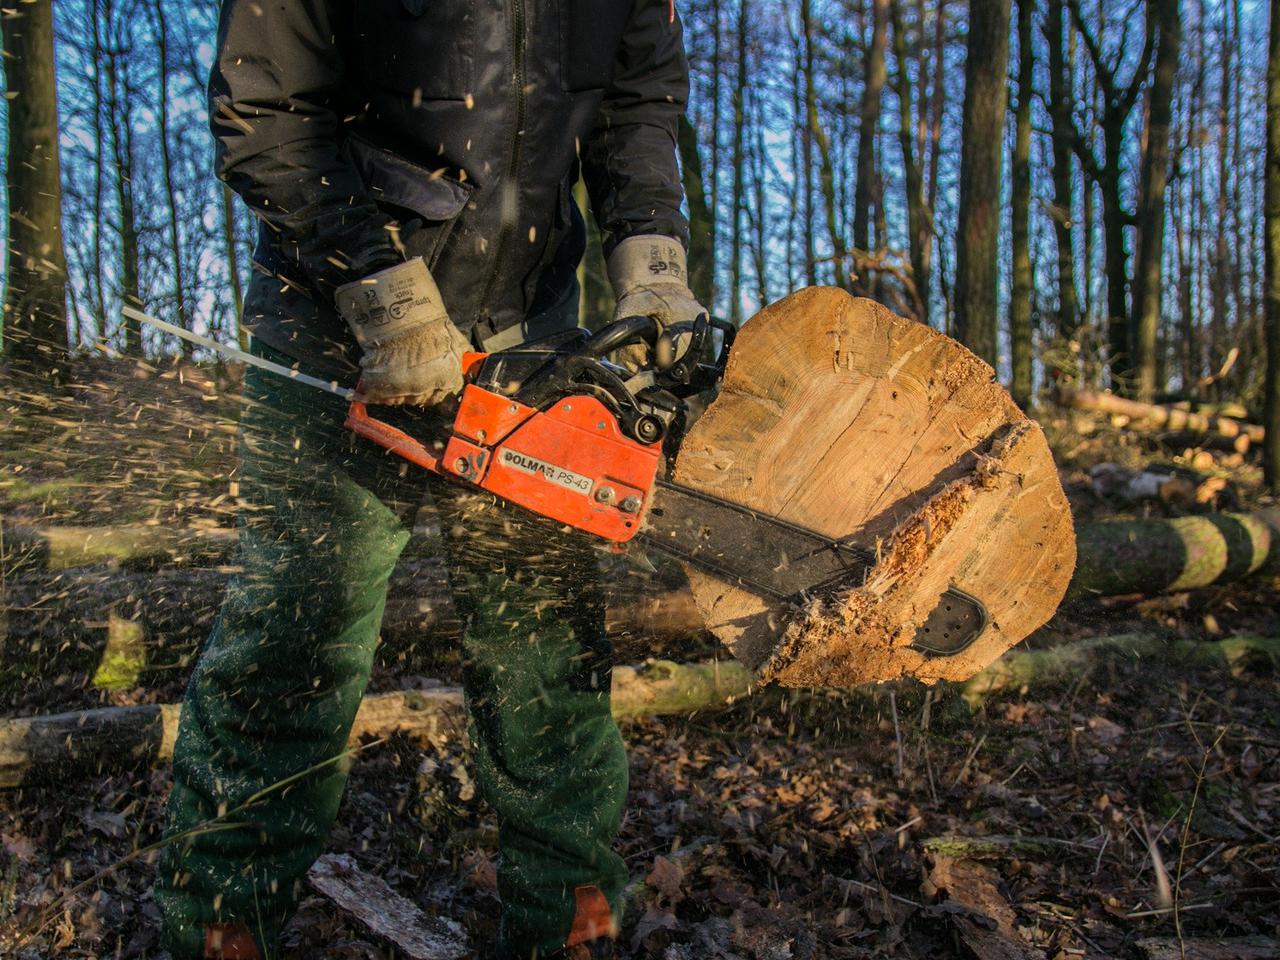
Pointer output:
x,y
45,749
1168,418
838,416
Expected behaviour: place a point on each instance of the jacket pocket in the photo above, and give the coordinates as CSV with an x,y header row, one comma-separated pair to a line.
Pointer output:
x,y
590,37
422,48
424,203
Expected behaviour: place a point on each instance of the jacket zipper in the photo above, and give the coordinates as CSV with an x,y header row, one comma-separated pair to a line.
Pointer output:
x,y
520,78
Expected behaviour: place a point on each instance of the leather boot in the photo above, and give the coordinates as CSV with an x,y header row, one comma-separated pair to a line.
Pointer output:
x,y
229,941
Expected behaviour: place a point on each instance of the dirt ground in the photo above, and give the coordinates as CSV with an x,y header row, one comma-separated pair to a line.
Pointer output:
x,y
1116,814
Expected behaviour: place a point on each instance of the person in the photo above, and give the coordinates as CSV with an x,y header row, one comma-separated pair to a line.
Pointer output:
x,y
412,165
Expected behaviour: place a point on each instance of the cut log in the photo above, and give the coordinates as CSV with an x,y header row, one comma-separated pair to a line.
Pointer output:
x,y
60,548
1070,661
1163,556
46,749
1153,415
838,416
1183,440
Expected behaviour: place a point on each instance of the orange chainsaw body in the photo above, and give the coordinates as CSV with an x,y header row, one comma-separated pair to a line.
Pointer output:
x,y
570,462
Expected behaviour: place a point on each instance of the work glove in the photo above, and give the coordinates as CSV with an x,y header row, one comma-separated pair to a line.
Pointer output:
x,y
412,350
650,279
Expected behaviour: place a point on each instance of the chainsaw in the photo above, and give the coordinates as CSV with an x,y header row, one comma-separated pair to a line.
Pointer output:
x,y
556,428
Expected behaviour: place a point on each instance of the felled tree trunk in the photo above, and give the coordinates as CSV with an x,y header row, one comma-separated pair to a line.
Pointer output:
x,y
1064,663
41,750
1169,418
60,548
1164,556
840,417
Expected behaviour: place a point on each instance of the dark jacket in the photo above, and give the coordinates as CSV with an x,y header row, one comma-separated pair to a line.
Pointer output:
x,y
458,125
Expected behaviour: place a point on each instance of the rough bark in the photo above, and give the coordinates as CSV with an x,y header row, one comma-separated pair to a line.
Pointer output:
x,y
981,155
1117,102
1020,239
35,291
814,382
48,749
702,254
866,190
177,265
1070,661
919,216
1165,556
739,169
1271,255
1155,415
1154,181
819,137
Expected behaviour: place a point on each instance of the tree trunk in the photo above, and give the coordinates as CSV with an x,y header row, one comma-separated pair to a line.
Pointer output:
x,y
1271,253
818,136
702,235
1165,556
978,229
866,189
739,169
1154,181
121,122
1020,294
35,294
166,167
49,749
919,217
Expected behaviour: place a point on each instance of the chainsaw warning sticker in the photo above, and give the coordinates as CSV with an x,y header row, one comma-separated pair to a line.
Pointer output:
x,y
549,471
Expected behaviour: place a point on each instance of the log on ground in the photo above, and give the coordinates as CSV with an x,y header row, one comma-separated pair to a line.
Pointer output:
x,y
1164,556
840,417
60,548
1070,661
1154,415
47,749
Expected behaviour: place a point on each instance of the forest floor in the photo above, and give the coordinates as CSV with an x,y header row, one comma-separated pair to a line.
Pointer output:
x,y
1130,812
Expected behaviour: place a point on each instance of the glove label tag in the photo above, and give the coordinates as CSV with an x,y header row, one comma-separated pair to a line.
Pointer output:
x,y
548,471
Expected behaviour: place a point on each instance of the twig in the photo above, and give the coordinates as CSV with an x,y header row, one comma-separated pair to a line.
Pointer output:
x,y
897,736
1182,847
964,768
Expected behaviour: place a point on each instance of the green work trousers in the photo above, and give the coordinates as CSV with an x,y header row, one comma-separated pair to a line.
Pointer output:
x,y
258,768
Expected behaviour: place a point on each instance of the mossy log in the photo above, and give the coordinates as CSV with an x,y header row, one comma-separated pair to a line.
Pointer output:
x,y
1156,416
1068,661
47,749
1164,556
61,548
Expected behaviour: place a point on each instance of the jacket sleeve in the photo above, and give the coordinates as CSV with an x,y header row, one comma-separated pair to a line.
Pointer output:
x,y
629,162
272,109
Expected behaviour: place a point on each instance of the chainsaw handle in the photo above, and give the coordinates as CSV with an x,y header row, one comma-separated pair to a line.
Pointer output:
x,y
618,334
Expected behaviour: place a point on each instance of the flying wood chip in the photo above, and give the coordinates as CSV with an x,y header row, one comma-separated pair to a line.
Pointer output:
x,y
841,417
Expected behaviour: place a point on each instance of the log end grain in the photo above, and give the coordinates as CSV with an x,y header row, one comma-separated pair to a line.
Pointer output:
x,y
838,416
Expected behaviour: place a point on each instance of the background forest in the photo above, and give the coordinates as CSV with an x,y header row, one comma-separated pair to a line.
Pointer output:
x,y
1084,192
1072,187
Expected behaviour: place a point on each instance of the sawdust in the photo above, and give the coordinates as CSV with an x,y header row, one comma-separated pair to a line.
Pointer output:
x,y
863,634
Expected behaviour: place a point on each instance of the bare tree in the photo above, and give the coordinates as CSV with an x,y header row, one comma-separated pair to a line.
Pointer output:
x,y
1271,214
1020,295
978,230
35,296
867,189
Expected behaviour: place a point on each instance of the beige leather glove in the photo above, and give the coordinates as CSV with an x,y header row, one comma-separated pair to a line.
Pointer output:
x,y
650,279
412,350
